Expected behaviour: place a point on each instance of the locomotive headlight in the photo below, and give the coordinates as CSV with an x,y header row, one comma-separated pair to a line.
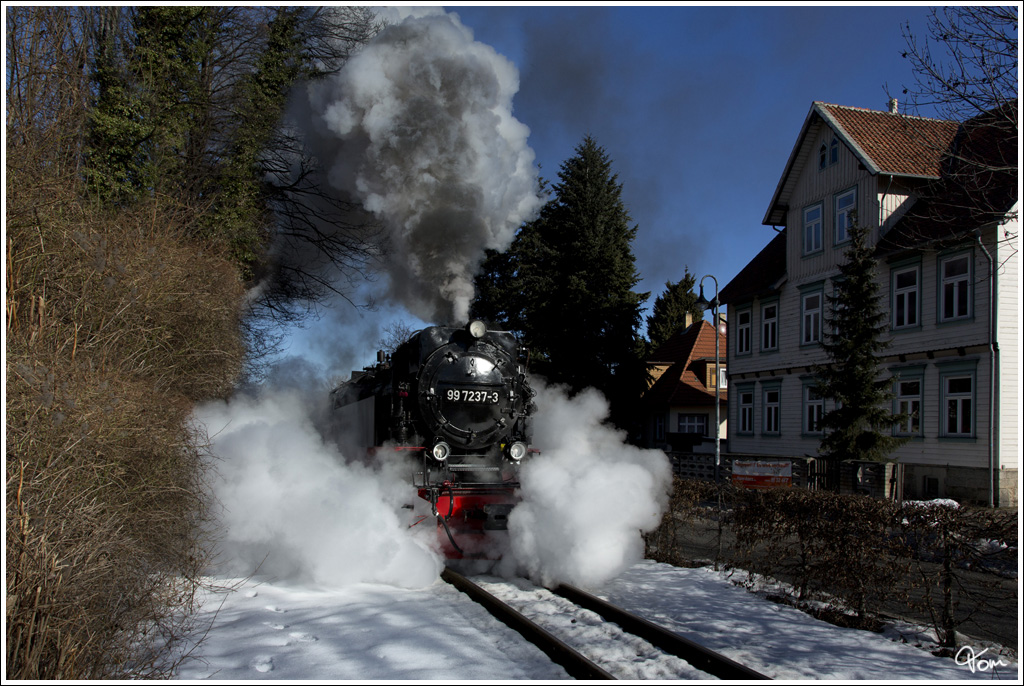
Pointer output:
x,y
477,328
441,451
517,451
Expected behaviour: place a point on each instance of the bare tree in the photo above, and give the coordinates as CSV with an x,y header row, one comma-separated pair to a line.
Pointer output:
x,y
966,71
395,334
967,64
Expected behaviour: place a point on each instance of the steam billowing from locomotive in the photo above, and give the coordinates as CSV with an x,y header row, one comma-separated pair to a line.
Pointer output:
x,y
418,128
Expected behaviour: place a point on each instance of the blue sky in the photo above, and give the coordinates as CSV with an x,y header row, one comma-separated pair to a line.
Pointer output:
x,y
698,107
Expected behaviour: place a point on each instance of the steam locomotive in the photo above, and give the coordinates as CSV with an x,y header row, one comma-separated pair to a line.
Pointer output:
x,y
455,402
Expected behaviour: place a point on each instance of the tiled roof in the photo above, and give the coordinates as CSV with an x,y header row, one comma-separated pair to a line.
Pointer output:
x,y
679,384
893,143
979,185
883,142
760,275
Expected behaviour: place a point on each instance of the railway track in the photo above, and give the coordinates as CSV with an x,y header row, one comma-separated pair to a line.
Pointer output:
x,y
580,666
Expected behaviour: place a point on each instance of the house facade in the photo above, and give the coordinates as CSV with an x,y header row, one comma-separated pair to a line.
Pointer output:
x,y
678,408
949,280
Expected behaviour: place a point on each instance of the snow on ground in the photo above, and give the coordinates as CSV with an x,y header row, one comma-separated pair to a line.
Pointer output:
x,y
267,630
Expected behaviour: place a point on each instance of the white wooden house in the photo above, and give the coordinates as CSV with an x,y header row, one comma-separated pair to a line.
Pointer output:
x,y
949,278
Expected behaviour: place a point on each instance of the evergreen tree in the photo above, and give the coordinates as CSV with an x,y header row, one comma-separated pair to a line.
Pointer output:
x,y
566,284
670,309
240,210
146,128
515,288
114,162
860,425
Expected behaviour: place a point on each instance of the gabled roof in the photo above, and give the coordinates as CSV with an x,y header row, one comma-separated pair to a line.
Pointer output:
x,y
679,384
762,275
884,142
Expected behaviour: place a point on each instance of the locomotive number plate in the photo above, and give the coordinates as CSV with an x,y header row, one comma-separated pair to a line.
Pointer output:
x,y
458,395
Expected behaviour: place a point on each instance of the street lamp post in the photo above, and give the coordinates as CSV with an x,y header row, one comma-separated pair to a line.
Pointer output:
x,y
703,303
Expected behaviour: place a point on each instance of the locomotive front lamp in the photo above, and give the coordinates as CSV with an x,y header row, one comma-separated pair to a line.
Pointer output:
x,y
441,451
517,451
477,328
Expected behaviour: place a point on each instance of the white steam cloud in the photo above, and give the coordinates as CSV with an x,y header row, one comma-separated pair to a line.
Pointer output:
x,y
292,507
418,128
588,497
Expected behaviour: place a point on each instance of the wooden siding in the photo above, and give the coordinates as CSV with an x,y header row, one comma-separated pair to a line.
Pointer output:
x,y
895,197
929,347
817,185
929,449
1007,257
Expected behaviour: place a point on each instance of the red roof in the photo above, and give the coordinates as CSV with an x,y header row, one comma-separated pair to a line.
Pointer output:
x,y
884,142
893,143
689,350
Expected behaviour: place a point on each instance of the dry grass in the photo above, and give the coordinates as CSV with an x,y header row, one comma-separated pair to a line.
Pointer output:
x,y
116,325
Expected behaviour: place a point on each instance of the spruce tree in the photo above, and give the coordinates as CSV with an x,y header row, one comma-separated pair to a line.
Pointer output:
x,y
859,427
670,309
567,284
240,209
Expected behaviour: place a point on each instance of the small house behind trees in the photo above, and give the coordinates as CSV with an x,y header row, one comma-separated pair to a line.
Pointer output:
x,y
678,409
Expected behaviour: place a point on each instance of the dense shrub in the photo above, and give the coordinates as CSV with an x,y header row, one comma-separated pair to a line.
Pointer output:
x,y
844,556
116,324
834,546
691,501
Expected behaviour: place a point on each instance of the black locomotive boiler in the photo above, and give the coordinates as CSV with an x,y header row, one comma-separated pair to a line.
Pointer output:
x,y
456,402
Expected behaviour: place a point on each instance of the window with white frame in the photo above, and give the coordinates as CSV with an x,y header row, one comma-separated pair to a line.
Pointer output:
x,y
693,424
770,326
811,305
906,297
955,288
743,333
747,412
846,208
659,427
723,378
814,410
958,404
812,229
908,403
772,405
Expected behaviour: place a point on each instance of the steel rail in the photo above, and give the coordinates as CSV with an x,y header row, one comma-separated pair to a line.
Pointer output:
x,y
576,664
697,655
